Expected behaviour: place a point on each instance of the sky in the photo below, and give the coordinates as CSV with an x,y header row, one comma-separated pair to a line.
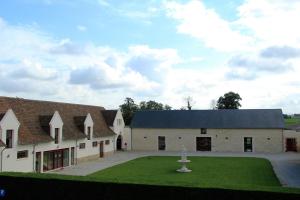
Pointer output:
x,y
99,52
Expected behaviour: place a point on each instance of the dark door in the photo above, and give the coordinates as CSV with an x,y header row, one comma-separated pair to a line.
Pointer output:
x,y
119,143
38,162
58,159
161,143
72,155
248,146
291,144
101,149
203,144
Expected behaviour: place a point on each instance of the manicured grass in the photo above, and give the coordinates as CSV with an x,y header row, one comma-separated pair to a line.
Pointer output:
x,y
208,172
291,121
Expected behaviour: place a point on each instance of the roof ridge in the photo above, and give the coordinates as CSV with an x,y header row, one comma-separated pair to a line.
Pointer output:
x,y
45,101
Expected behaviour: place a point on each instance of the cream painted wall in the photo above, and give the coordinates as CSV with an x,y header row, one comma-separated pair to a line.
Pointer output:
x,y
264,140
292,134
127,137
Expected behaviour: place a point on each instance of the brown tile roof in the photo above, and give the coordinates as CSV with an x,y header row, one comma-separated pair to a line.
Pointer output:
x,y
1,116
35,115
109,116
2,144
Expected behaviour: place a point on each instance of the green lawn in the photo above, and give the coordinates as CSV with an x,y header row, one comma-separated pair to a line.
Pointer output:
x,y
291,121
208,172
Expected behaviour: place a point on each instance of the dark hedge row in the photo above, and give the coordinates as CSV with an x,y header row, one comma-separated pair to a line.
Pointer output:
x,y
28,188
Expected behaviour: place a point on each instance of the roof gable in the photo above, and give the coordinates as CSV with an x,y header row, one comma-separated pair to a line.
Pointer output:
x,y
219,119
109,116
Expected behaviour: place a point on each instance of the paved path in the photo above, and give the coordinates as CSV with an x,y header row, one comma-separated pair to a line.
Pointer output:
x,y
286,165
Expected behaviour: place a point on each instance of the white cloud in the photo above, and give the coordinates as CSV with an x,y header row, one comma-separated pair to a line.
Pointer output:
x,y
81,28
34,64
205,24
105,76
103,3
272,22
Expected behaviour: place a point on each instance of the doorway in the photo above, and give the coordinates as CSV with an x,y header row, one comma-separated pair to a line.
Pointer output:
x,y
101,149
38,160
161,143
203,144
119,142
248,145
291,144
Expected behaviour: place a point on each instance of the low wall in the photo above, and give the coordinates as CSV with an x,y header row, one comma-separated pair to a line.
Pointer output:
x,y
33,188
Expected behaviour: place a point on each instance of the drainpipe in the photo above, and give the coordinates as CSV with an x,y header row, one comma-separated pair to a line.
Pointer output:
x,y
33,156
2,158
131,138
76,157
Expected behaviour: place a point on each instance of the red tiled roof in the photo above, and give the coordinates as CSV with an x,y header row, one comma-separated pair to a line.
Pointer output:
x,y
34,115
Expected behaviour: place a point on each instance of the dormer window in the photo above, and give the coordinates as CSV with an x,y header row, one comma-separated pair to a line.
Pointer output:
x,y
9,138
56,136
88,132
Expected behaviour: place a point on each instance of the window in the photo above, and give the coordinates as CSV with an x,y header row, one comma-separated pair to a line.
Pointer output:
x,y
107,142
22,154
56,135
161,143
119,121
203,130
248,144
55,159
95,144
88,132
82,146
9,141
66,157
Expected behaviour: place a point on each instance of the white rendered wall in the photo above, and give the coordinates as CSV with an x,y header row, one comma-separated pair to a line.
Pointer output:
x,y
118,128
10,161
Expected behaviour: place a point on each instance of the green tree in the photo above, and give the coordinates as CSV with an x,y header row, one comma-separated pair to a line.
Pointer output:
x,y
128,109
229,100
151,105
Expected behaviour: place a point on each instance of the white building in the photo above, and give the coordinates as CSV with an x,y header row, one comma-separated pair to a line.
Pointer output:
x,y
41,136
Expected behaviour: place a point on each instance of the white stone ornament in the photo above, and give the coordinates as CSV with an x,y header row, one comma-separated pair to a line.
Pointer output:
x,y
183,161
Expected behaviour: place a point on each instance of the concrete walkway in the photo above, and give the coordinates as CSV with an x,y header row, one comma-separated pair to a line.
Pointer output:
x,y
87,168
285,165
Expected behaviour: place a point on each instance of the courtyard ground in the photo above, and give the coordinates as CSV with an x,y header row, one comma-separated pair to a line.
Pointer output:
x,y
286,165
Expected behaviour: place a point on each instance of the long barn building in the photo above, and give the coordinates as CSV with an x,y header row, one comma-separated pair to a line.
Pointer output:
x,y
252,130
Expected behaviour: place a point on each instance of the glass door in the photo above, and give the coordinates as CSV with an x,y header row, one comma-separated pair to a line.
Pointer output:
x,y
248,146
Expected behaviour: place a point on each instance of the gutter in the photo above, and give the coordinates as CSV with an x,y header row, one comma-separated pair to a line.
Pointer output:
x,y
2,158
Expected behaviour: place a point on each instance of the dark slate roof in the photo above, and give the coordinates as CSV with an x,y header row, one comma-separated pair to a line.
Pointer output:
x,y
109,116
34,115
184,119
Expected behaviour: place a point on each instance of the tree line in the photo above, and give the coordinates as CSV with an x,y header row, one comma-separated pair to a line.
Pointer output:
x,y
229,100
